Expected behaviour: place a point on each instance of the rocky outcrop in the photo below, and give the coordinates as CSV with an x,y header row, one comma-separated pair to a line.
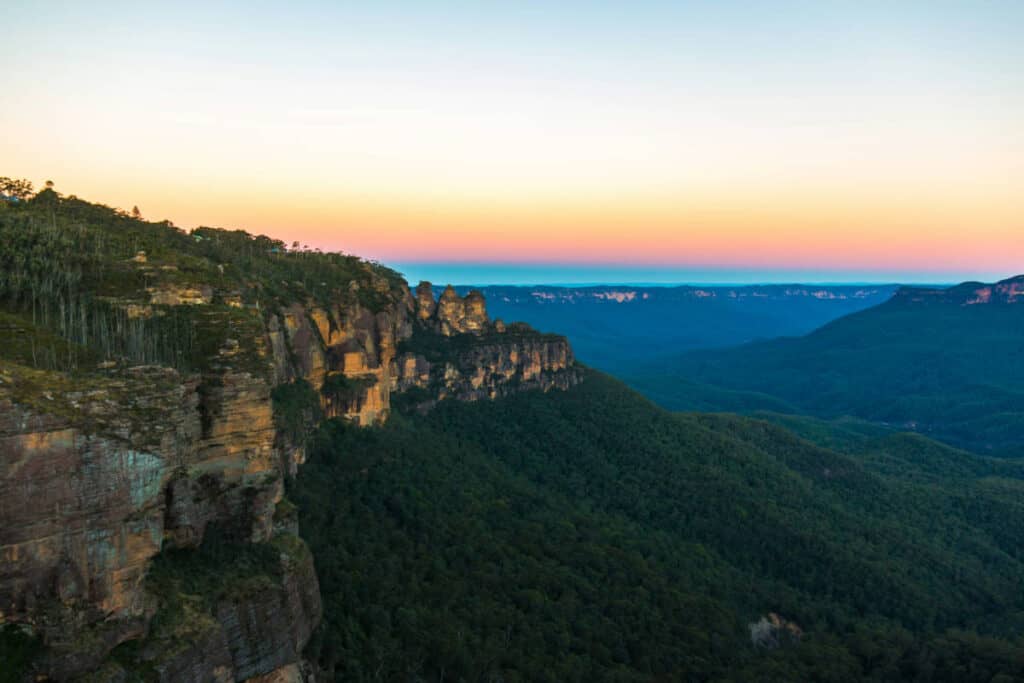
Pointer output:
x,y
356,358
497,365
773,631
348,341
180,296
461,315
455,351
425,304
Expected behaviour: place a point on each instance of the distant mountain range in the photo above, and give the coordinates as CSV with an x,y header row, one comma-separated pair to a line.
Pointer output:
x,y
616,327
945,362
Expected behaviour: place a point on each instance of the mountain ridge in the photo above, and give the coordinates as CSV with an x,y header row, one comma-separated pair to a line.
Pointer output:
x,y
1007,291
942,361
618,328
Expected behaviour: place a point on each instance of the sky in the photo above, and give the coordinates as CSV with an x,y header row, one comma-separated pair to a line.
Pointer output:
x,y
545,142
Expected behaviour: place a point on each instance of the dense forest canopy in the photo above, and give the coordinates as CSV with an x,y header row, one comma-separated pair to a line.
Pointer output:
x,y
946,368
589,535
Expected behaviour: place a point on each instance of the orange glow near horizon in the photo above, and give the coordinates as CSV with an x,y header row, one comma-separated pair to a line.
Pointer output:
x,y
952,232
848,139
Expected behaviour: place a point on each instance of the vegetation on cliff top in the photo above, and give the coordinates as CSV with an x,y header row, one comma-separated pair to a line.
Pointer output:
x,y
97,279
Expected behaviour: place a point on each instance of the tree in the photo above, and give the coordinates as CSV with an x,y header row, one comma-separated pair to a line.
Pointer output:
x,y
18,188
136,214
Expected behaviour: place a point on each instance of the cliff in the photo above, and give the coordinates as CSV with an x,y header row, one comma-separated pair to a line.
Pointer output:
x,y
1004,292
153,404
456,351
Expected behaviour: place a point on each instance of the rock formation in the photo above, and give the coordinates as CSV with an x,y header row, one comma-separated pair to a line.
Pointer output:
x,y
773,631
101,474
487,360
425,304
458,315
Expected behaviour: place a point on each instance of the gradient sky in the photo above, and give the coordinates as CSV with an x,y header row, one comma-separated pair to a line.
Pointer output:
x,y
698,140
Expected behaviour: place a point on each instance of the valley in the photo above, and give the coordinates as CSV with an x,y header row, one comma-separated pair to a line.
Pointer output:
x,y
617,328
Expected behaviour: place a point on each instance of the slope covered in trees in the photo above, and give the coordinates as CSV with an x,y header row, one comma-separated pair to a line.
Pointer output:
x,y
76,280
946,363
589,535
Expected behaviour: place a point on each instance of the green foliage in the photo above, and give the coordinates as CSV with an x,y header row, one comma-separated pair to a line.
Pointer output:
x,y
412,398
342,388
188,585
953,372
296,409
219,568
17,651
71,268
282,275
14,189
588,535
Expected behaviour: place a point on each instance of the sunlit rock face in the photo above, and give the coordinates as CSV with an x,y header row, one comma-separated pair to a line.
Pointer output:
x,y
178,296
91,492
372,349
452,314
348,340
461,315
483,359
83,494
425,304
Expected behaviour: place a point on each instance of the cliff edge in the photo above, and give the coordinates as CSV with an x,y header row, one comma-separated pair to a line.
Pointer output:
x,y
156,387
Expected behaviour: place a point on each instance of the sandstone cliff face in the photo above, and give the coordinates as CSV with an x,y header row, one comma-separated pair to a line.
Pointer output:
x,y
457,352
99,475
83,507
460,315
492,368
91,492
351,341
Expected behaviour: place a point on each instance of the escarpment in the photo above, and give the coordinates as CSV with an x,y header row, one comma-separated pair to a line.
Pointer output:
x,y
456,351
151,415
